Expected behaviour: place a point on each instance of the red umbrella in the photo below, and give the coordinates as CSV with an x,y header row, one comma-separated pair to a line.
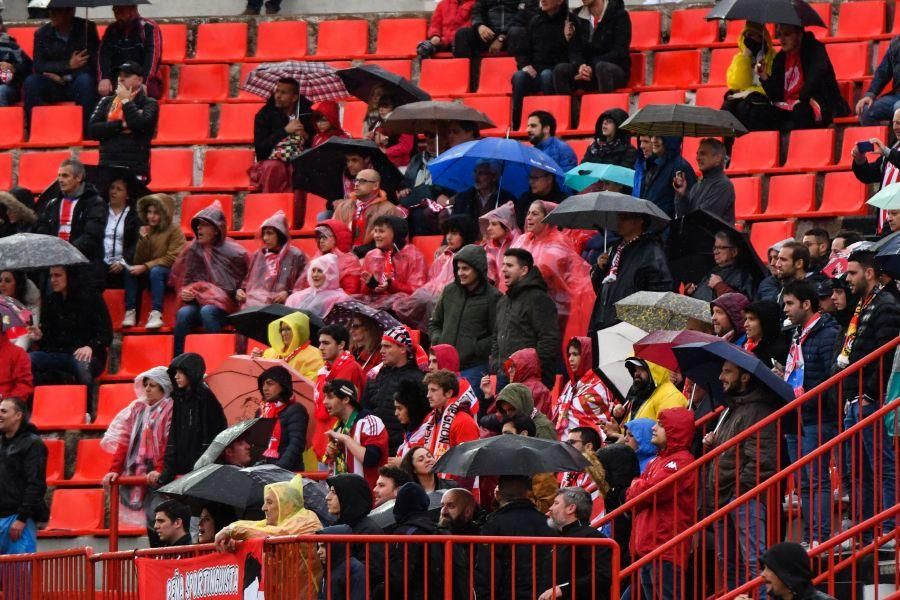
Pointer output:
x,y
657,346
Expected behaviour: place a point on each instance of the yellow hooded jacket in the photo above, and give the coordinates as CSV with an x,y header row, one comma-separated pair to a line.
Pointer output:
x,y
302,356
740,76
666,395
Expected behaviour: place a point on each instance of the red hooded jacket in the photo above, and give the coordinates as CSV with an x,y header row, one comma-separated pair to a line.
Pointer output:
x,y
328,109
348,263
673,509
15,371
528,373
449,16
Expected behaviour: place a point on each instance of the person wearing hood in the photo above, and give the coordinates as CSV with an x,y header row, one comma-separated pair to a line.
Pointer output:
x,y
208,272
639,436
670,511
611,145
274,268
585,401
746,98
636,263
349,500
762,326
280,134
137,438
728,317
515,399
542,185
289,436
334,237
407,577
326,117
394,268
485,195
23,467
362,207
523,367
729,273
347,578
289,341
620,468
665,169
16,67
651,392
787,574
714,193
15,215
160,241
499,228
741,536
323,290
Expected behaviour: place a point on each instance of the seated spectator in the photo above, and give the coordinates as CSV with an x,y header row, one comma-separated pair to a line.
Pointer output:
x,y
213,518
516,399
131,38
412,409
365,343
485,195
397,147
121,234
75,331
16,214
802,86
279,136
334,341
497,25
585,400
394,267
746,98
390,479
275,268
639,436
418,464
448,17
197,418
15,368
425,201
323,290
172,524
874,106
542,186
15,66
818,242
599,38
209,272
541,129
498,230
544,47
611,145
65,63
523,367
714,193
19,287
125,123
289,341
333,237
160,242
326,117
137,438
288,440
762,324
728,275
358,444
728,317
362,207
665,168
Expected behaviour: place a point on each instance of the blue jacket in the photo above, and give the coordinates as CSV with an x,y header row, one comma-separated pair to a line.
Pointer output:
x,y
642,430
818,356
561,153
658,173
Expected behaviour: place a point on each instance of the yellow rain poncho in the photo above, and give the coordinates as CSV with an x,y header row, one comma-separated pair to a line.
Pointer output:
x,y
741,75
665,394
302,356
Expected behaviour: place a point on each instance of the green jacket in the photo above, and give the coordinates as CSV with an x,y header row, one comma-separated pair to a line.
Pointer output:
x,y
464,319
519,397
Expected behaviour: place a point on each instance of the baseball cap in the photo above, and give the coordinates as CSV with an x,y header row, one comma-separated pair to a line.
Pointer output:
x,y
130,68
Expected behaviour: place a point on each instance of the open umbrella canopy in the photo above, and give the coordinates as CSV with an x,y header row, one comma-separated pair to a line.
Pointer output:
x,y
657,346
614,345
13,313
255,432
430,116
784,12
510,455
683,120
27,251
383,514
585,175
455,168
254,322
888,256
364,80
887,198
661,310
318,81
342,313
600,210
82,3
320,170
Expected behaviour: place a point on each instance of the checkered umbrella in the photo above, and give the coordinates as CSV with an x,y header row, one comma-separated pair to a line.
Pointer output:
x,y
318,81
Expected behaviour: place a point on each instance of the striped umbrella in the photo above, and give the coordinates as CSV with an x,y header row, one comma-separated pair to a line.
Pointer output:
x,y
318,81
683,120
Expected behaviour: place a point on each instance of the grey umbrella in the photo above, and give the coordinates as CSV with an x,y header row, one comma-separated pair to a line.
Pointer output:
x,y
25,251
383,515
254,431
599,210
682,120
428,115
784,12
661,310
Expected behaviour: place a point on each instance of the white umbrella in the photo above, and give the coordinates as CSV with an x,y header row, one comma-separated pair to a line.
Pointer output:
x,y
614,345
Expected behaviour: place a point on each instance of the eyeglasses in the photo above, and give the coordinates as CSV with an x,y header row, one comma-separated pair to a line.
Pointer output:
x,y
573,442
720,248
359,180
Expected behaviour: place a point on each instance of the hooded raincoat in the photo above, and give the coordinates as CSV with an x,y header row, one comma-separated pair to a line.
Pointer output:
x,y
164,242
790,562
659,171
619,151
741,75
642,430
299,354
272,273
585,401
403,267
523,367
348,263
664,395
319,300
519,396
330,110
506,215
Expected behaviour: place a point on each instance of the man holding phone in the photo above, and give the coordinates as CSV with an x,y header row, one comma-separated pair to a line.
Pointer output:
x,y
885,169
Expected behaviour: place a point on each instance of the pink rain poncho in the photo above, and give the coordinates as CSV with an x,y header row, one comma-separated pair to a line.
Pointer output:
x,y
319,300
213,272
505,214
272,273
348,263
403,266
415,309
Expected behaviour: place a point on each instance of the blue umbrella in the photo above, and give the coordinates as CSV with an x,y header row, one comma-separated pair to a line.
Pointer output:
x,y
585,175
702,362
455,168
888,255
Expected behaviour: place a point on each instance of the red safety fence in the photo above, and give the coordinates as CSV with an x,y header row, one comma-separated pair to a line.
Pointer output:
x,y
114,574
61,575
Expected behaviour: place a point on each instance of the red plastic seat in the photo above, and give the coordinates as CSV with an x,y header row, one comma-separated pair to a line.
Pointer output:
x,y
243,96
428,245
182,125
579,145
75,511
203,83
710,96
352,117
495,107
342,39
37,170
92,462
446,76
111,399
638,76
280,40
236,123
89,157
645,29
6,171
56,460
824,10
755,151
850,60
12,126
791,195
842,195
593,105
174,48
213,347
59,406
142,352
402,67
194,203
221,42
115,305
809,149
852,135
306,245
689,146
748,197
171,170
660,97
862,20
495,77
314,205
733,31
55,126
680,69
24,36
226,169
766,233
399,37
558,106
259,207
719,61
690,28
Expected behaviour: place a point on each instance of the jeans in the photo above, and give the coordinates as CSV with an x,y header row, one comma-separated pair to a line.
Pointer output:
x,y
9,94
661,577
862,470
26,543
61,361
257,4
40,90
157,276
606,78
523,85
741,538
211,318
815,480
882,109
468,44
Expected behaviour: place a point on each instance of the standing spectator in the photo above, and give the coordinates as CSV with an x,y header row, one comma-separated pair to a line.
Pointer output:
x,y
611,145
359,441
599,37
274,268
160,241
65,63
172,523
411,409
362,207
620,466
349,499
498,229
728,317
75,331
16,380
818,242
459,516
639,437
515,400
279,136
542,186
125,123
746,98
541,129
664,169
874,106
449,16
544,46
208,273
131,38
651,392
121,234
289,341
254,6
334,341
388,483
762,324
727,276
638,263
15,66
408,578
714,193
418,464
585,401
288,440
793,264
394,268
197,418
348,573
668,513
23,466
450,423
485,195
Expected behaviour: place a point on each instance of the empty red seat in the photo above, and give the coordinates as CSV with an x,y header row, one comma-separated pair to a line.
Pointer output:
x,y
12,126
852,135
747,197
850,59
174,47
810,149
558,106
6,171
402,67
864,20
75,511
221,42
194,203
56,460
259,207
226,169
24,36
55,126
342,39
352,116
213,347
689,27
593,105
171,170
713,97
399,37
37,170
495,107
645,29
115,305
679,68
824,10
203,83
182,124
59,406
445,76
719,61
91,462
765,234
638,76
314,205
791,195
579,146
142,352
660,97
280,40
428,245
495,76
842,195
689,146
755,151
111,399
236,123
89,157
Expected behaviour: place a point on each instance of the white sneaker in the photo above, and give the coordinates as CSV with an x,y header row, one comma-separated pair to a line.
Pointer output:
x,y
130,318
847,546
791,500
154,321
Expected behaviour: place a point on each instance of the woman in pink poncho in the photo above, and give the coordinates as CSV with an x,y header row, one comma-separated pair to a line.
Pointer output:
x,y
334,237
499,229
323,287
275,268
394,268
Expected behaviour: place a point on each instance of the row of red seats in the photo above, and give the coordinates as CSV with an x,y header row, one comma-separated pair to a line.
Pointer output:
x,y
81,511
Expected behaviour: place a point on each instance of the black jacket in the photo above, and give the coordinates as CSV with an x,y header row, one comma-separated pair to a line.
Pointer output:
x,y
52,52
818,356
819,81
608,42
355,498
269,124
197,418
593,565
11,52
544,45
467,202
120,148
642,268
774,344
79,319
714,194
888,71
23,466
873,172
406,574
379,397
556,195
735,276
500,15
879,323
294,420
138,41
620,151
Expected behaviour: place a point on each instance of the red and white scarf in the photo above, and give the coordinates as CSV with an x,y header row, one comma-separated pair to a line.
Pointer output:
x,y
794,366
843,359
437,435
66,212
271,410
891,175
586,403
616,260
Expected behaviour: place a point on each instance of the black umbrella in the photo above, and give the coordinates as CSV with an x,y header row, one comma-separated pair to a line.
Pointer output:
x,y
510,455
256,432
784,12
431,115
888,255
362,81
254,322
320,170
342,313
383,515
599,210
682,120
26,251
82,3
